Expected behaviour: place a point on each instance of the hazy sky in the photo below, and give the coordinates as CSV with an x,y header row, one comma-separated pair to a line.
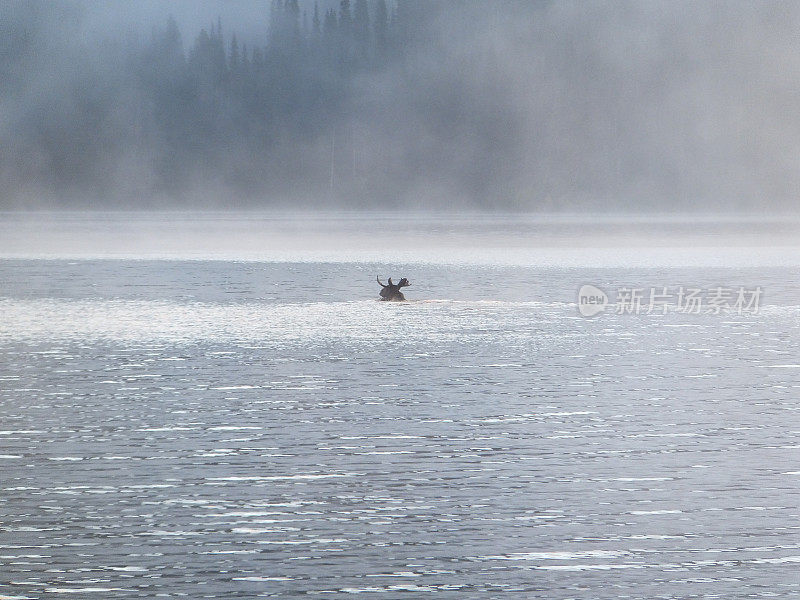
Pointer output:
x,y
249,18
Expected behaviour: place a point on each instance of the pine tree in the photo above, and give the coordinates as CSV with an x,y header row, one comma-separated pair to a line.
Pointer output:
x,y
276,24
345,18
234,58
316,24
330,22
361,29
381,28
245,59
172,38
292,18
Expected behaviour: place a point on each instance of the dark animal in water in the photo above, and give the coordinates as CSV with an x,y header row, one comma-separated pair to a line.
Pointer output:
x,y
392,291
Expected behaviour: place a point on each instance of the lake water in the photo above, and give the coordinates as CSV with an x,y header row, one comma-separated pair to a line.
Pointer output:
x,y
218,407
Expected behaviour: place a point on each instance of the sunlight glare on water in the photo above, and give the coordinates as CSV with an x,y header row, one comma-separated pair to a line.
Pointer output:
x,y
136,320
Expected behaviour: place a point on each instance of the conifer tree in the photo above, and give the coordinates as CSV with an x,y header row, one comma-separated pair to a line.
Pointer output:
x,y
381,28
361,29
316,23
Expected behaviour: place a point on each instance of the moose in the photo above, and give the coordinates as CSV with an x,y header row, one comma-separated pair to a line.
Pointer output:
x,y
392,291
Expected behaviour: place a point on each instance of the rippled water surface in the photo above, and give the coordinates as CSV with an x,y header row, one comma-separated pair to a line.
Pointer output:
x,y
241,429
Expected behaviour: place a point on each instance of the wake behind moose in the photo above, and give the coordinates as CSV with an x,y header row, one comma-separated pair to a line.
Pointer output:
x,y
391,292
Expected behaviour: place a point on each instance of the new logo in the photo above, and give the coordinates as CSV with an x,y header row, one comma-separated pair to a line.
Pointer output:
x,y
591,300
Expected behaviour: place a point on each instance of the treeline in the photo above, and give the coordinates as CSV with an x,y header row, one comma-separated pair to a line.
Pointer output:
x,y
350,104
265,119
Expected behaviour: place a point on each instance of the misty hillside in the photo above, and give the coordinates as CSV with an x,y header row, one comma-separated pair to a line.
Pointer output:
x,y
376,103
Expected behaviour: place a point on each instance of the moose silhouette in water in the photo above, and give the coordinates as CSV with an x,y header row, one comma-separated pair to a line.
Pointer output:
x,y
392,291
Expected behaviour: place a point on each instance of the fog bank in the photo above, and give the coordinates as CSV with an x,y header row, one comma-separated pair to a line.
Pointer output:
x,y
548,106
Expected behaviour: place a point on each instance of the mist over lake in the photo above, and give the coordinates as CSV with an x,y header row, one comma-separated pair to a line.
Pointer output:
x,y
532,106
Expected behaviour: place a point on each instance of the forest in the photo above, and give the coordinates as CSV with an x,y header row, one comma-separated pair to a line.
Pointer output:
x,y
452,104
321,113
